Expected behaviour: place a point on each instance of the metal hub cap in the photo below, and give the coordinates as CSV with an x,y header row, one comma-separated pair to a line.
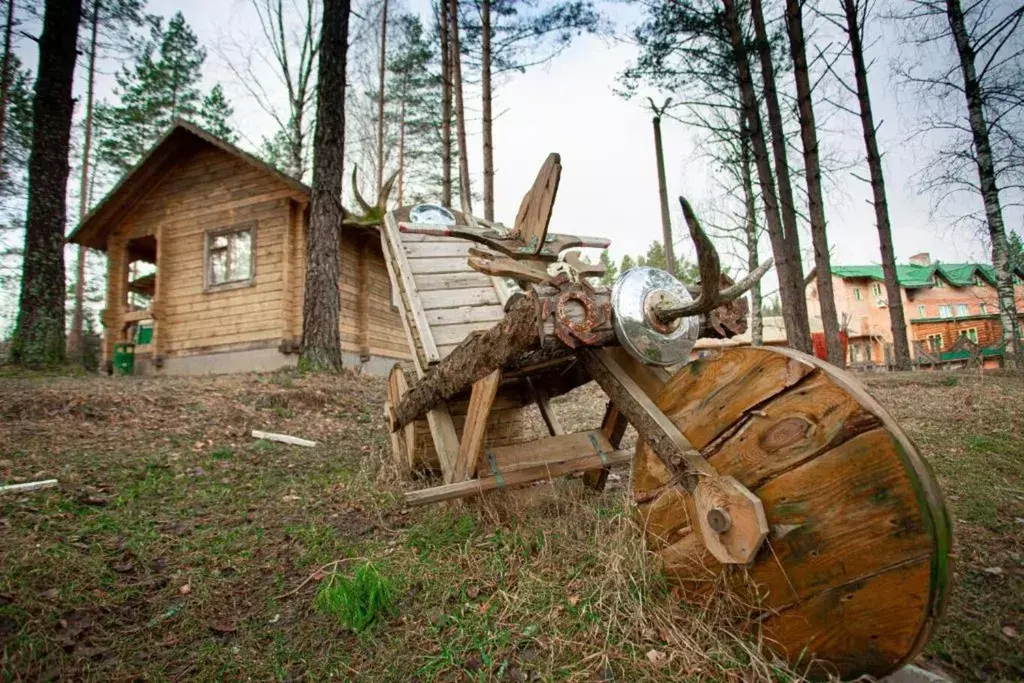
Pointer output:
x,y
634,297
432,214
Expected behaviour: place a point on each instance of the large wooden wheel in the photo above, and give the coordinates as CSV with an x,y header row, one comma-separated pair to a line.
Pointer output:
x,y
856,566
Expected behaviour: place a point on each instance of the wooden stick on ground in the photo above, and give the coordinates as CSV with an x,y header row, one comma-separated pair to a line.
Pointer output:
x,y
283,438
29,486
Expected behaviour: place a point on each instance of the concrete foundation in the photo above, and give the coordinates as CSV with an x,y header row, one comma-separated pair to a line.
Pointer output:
x,y
253,360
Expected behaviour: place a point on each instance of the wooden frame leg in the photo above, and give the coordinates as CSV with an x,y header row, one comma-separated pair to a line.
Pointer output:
x,y
481,400
544,405
613,426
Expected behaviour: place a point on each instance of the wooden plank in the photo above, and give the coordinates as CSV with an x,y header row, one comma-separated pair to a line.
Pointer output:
x,y
534,214
480,402
414,237
466,280
452,298
454,334
613,427
547,451
137,316
420,266
413,297
286,272
446,439
484,316
454,248
544,406
514,479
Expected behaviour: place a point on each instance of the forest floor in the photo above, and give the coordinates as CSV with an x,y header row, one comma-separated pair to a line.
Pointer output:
x,y
177,547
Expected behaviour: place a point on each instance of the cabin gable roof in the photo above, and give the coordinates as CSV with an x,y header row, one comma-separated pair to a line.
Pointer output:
x,y
181,139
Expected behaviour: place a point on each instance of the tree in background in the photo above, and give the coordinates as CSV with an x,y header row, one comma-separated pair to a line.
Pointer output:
x,y
1015,251
812,167
39,336
162,85
321,306
460,107
512,35
108,26
289,44
611,271
983,144
415,108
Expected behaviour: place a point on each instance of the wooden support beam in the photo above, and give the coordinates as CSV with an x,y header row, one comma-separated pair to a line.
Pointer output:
x,y
480,402
544,405
652,425
514,479
446,439
613,427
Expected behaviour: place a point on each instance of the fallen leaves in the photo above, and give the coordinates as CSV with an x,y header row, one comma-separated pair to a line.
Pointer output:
x,y
657,658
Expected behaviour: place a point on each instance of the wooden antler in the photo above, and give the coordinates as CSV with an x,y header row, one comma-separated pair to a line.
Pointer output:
x,y
710,297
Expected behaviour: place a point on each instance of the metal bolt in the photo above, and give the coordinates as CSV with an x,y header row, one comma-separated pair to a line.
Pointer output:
x,y
719,520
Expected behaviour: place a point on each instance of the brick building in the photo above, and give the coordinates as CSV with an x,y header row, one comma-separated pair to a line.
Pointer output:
x,y
942,302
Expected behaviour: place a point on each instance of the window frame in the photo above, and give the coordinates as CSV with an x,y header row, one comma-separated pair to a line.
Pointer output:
x,y
965,308
983,307
922,311
967,333
946,307
933,348
208,237
876,289
856,293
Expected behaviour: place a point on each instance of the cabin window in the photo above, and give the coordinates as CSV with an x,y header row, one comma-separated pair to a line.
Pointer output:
x,y
945,311
856,293
922,311
876,289
229,257
971,334
935,342
962,309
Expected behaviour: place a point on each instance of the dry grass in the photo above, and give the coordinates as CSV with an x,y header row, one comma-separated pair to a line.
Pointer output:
x,y
179,548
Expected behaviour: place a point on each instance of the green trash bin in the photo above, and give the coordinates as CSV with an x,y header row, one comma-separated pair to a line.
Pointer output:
x,y
124,358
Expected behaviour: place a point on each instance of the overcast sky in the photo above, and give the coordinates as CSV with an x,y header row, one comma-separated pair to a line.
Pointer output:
x,y
609,182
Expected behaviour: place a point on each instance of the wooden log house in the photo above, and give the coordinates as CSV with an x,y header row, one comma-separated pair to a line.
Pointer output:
x,y
205,247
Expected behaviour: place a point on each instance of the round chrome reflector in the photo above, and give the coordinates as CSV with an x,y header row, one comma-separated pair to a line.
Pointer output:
x,y
635,295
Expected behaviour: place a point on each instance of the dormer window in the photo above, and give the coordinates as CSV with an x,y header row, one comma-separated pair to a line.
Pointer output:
x,y
937,281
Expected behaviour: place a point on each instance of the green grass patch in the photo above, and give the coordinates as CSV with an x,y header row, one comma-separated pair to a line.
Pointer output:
x,y
357,601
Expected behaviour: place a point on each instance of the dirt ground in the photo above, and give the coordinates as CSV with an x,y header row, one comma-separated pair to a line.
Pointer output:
x,y
177,547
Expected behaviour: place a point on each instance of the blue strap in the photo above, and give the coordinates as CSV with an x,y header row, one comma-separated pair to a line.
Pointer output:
x,y
494,469
597,447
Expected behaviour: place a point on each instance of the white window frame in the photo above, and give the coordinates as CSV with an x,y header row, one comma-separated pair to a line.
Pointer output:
x,y
208,284
945,311
922,311
963,310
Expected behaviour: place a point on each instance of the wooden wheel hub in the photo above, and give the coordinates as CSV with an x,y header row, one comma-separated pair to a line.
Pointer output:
x,y
854,570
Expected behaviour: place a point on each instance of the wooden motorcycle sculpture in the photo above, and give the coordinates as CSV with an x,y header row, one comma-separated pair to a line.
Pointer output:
x,y
766,469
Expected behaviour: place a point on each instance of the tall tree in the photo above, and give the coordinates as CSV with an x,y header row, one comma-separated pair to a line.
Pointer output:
x,y
812,168
6,75
161,86
381,94
750,231
39,336
321,307
460,108
446,103
116,17
791,281
512,35
989,144
852,22
288,42
659,158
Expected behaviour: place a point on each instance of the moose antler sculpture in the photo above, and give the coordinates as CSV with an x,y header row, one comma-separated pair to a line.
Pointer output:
x,y
768,471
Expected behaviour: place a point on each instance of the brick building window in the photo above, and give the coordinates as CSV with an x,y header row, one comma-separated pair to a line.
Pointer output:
x,y
935,342
876,289
983,307
945,311
962,309
856,293
922,311
937,281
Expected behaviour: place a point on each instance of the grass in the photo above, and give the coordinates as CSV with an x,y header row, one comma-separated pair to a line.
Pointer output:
x,y
178,547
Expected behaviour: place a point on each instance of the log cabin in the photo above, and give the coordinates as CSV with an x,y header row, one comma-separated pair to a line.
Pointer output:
x,y
205,250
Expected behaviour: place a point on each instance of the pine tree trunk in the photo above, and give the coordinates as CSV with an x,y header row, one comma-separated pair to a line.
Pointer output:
x,y
746,179
788,268
460,109
666,219
39,338
897,319
380,96
485,87
75,344
295,146
791,280
401,155
987,182
321,307
815,201
446,109
5,80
